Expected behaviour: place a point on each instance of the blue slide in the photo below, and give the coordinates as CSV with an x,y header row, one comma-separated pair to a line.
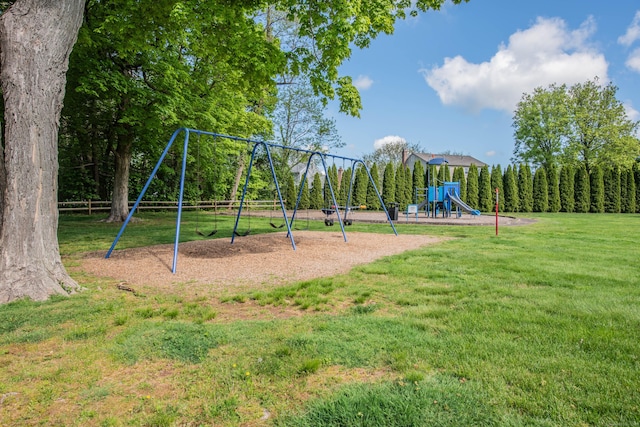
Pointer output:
x,y
456,201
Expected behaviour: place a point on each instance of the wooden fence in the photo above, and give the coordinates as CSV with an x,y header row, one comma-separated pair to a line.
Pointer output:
x,y
96,206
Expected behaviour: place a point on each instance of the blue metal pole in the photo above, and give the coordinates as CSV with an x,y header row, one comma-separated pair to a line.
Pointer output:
x,y
244,191
144,190
180,198
284,211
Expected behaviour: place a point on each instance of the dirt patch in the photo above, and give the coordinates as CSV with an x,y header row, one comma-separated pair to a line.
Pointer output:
x,y
251,261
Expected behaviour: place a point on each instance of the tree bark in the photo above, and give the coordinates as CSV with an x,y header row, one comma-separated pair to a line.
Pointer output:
x,y
236,180
120,198
36,38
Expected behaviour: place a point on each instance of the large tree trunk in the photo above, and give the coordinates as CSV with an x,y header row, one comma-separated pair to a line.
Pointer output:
x,y
36,38
120,197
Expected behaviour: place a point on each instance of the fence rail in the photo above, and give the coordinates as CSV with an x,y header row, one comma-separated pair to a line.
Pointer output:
x,y
94,206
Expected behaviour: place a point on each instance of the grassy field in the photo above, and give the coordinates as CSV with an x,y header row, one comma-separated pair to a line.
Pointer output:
x,y
539,326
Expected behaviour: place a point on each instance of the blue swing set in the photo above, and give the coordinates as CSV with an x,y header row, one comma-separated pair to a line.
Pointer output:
x,y
267,148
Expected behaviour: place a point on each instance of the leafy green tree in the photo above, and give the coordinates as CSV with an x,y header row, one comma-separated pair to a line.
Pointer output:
x,y
611,181
601,133
146,67
496,182
566,189
388,185
373,203
400,179
541,124
511,199
630,192
525,188
554,188
472,187
392,152
584,123
582,190
596,184
540,191
316,200
485,195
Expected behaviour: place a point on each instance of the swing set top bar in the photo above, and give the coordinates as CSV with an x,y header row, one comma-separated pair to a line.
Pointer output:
x,y
270,144
256,143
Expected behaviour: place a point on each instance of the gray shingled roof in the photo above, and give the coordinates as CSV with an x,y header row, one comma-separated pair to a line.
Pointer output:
x,y
453,160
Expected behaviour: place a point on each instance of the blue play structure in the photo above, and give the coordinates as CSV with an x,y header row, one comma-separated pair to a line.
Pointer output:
x,y
444,198
434,199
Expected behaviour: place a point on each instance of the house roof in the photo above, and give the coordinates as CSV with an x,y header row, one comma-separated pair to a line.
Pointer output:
x,y
452,159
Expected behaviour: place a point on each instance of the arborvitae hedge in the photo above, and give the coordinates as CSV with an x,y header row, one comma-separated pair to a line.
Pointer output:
x,y
373,203
630,194
399,176
636,178
596,184
540,191
472,187
525,188
408,185
290,195
446,175
345,183
316,200
582,190
611,186
388,185
511,199
566,189
418,176
485,193
305,196
458,176
496,182
554,189
360,187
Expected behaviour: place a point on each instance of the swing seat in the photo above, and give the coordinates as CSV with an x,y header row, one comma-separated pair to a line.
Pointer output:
x,y
347,221
276,226
328,222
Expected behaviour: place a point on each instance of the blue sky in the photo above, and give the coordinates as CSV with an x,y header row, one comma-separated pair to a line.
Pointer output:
x,y
450,79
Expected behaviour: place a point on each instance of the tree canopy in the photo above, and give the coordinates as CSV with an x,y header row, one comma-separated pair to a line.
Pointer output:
x,y
584,123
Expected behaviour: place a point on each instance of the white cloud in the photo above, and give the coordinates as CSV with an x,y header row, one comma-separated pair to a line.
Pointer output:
x,y
632,113
633,61
491,153
546,53
633,32
389,139
363,82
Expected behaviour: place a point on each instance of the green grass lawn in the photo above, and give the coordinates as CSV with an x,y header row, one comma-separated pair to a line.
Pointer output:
x,y
539,326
